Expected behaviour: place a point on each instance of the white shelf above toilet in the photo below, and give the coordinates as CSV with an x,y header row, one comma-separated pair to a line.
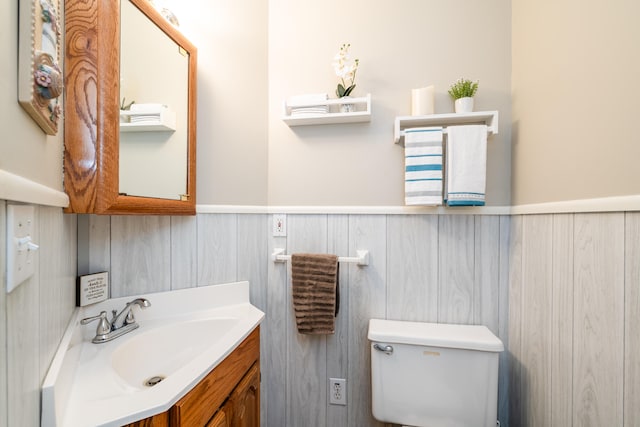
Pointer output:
x,y
489,118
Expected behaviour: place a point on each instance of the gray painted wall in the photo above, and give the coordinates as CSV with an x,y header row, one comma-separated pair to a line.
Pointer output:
x,y
573,114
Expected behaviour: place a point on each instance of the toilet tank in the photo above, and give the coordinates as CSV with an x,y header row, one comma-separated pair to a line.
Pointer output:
x,y
429,374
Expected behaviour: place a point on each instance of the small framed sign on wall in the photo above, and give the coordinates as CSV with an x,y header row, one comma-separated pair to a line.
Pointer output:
x,y
40,77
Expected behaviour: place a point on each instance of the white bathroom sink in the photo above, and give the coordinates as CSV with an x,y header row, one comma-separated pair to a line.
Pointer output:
x,y
149,357
182,336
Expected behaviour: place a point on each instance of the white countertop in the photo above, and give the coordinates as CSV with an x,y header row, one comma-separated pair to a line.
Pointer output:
x,y
86,385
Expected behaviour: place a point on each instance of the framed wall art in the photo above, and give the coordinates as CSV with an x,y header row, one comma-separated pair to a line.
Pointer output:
x,y
40,78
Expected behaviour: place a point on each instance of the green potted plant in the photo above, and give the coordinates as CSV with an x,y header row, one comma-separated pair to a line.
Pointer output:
x,y
462,92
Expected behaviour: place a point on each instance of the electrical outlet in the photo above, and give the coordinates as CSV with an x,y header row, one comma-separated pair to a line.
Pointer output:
x,y
279,225
337,391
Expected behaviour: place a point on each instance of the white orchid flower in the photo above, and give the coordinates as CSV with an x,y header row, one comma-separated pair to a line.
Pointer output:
x,y
345,69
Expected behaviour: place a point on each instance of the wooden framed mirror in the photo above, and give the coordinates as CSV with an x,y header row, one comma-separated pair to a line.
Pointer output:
x,y
94,160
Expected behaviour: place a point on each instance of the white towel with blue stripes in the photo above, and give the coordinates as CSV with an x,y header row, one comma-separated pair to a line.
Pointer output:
x,y
423,166
466,165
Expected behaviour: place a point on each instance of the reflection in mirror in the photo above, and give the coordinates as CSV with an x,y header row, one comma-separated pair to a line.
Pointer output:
x,y
154,75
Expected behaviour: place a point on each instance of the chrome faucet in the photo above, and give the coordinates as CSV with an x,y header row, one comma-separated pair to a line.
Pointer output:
x,y
125,317
120,324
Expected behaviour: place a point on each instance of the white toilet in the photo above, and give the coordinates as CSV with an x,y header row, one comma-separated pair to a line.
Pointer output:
x,y
434,375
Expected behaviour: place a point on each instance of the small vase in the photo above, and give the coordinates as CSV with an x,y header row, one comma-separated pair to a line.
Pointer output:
x,y
464,105
347,108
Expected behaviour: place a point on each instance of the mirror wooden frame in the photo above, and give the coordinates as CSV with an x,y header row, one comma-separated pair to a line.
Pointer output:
x,y
92,116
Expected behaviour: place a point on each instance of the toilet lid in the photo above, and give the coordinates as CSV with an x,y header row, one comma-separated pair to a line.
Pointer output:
x,y
469,337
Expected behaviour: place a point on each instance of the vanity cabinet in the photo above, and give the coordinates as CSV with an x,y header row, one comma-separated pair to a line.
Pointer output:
x,y
229,396
221,419
242,409
225,387
245,400
160,420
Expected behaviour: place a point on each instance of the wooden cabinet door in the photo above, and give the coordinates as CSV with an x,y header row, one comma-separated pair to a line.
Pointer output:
x,y
160,420
198,407
222,418
245,400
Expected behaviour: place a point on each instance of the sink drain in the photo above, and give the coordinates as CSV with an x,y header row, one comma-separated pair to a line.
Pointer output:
x,y
153,380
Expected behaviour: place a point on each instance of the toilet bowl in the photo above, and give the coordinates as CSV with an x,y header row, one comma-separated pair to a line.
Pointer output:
x,y
428,374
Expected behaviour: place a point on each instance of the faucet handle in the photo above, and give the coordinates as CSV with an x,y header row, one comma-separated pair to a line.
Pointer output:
x,y
104,327
129,319
140,302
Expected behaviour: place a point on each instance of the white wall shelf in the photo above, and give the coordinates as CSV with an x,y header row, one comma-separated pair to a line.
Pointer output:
x,y
361,114
166,122
489,118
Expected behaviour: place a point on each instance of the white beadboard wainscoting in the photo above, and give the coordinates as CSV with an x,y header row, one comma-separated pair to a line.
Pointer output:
x,y
34,316
574,325
561,290
439,268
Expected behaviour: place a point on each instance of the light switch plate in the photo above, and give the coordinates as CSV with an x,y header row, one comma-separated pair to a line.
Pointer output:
x,y
21,257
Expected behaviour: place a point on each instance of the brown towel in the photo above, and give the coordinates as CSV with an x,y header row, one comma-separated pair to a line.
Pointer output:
x,y
314,280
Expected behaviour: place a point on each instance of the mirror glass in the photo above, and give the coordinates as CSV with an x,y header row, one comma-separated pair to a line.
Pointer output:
x,y
154,116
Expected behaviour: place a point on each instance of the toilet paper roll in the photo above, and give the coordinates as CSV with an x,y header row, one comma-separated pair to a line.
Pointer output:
x,y
422,101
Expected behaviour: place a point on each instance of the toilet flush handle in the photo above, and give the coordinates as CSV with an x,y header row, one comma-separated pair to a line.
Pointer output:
x,y
387,349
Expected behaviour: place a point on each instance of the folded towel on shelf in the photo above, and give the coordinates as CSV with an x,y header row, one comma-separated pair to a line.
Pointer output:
x,y
466,165
147,108
314,282
423,166
144,113
145,118
315,109
309,104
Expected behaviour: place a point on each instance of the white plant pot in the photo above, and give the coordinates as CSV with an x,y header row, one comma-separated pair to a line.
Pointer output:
x,y
347,107
464,105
